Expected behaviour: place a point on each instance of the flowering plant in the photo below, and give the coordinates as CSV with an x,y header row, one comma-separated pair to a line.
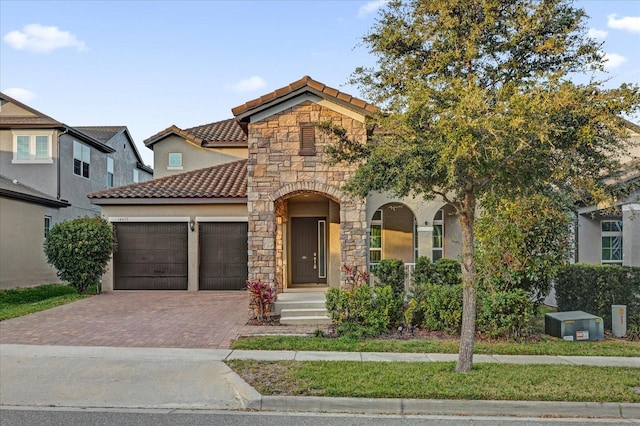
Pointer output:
x,y
262,297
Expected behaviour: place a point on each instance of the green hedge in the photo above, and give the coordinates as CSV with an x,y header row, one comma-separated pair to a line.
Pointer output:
x,y
594,288
391,272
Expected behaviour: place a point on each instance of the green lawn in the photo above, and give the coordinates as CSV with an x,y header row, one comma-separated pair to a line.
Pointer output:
x,y
438,380
22,301
547,346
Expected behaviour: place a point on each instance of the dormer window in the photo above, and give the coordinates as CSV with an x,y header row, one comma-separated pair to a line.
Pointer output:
x,y
307,140
175,161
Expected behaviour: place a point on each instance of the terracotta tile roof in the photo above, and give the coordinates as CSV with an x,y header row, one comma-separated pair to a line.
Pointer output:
x,y
219,133
224,181
310,85
225,133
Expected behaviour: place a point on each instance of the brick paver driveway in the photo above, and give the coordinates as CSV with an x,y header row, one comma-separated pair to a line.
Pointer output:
x,y
141,319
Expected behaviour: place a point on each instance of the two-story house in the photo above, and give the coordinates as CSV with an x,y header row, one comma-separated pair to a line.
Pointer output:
x,y
47,168
253,197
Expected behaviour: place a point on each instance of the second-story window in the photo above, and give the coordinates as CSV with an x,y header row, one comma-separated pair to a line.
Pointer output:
x,y
32,147
110,168
175,161
136,175
81,159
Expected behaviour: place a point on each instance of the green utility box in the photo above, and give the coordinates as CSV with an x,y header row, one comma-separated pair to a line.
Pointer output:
x,y
574,325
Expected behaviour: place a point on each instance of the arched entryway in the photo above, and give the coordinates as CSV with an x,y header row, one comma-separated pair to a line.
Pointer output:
x,y
307,240
392,234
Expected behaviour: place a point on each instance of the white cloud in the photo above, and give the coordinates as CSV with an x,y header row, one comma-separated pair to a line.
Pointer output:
x,y
597,34
371,7
629,23
248,84
40,39
23,95
613,60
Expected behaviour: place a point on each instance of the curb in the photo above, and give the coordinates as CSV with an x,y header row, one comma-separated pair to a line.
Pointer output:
x,y
446,407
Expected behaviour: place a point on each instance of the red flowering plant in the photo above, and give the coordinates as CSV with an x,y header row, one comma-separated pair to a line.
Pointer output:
x,y
262,297
354,277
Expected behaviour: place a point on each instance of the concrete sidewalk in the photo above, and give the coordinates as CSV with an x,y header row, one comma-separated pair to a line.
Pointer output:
x,y
152,378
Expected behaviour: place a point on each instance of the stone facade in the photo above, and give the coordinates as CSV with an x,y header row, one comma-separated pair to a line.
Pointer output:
x,y
277,171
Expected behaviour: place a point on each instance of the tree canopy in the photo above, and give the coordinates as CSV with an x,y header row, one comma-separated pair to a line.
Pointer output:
x,y
479,97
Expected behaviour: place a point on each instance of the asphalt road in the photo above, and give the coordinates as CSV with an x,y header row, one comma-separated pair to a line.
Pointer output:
x,y
100,417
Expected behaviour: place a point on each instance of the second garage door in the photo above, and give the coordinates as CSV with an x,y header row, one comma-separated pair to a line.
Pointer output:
x,y
151,256
223,255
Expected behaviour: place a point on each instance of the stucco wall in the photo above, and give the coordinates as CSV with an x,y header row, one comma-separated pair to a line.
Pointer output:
x,y
125,161
181,212
22,260
42,177
194,157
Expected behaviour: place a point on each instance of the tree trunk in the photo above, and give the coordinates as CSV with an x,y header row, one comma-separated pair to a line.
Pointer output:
x,y
467,335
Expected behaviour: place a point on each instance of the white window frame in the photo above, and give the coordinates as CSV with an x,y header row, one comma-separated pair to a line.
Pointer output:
x,y
611,234
376,223
84,152
47,225
175,165
33,136
110,172
438,224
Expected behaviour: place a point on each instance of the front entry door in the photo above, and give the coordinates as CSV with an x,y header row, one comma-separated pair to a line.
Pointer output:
x,y
308,250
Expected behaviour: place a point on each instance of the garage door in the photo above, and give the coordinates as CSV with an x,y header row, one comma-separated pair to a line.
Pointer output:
x,y
151,256
223,255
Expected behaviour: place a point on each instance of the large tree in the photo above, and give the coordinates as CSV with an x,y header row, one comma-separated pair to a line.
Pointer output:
x,y
478,99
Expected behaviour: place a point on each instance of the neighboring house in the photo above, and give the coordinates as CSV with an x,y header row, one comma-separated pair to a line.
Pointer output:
x,y
47,169
253,197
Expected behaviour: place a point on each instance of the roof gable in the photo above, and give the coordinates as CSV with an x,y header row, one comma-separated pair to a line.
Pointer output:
x,y
305,86
23,115
220,134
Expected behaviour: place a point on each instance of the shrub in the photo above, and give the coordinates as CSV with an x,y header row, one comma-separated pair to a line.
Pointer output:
x,y
424,271
363,311
505,314
80,249
262,297
439,307
448,272
594,288
442,271
521,242
391,272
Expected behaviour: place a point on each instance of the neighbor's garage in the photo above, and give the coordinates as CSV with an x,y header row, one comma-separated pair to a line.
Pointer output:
x,y
151,256
223,255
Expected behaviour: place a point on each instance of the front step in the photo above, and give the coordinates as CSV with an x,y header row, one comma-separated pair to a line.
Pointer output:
x,y
292,305
310,312
303,308
310,320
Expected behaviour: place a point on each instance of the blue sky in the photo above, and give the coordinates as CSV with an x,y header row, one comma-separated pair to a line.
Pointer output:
x,y
151,64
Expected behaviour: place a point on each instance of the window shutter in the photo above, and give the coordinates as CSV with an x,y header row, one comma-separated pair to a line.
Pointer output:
x,y
307,140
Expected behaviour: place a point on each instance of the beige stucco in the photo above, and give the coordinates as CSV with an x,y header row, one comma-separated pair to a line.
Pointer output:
x,y
194,156
174,213
22,259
